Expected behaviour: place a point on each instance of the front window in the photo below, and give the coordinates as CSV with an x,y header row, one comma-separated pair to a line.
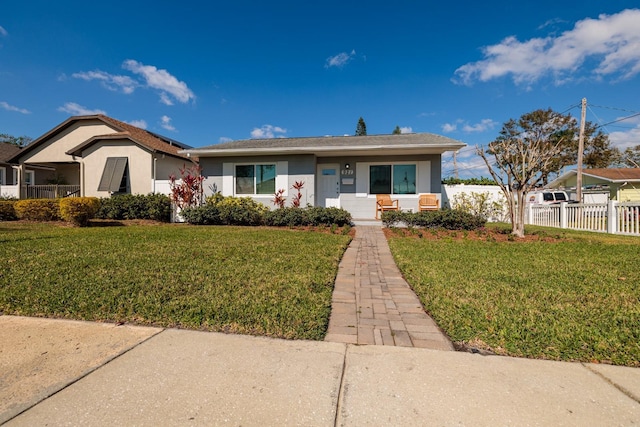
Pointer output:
x,y
2,176
392,179
29,177
256,179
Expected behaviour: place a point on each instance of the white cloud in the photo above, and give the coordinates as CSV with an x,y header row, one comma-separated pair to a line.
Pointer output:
x,y
483,126
142,124
79,110
166,123
406,129
627,138
449,127
339,60
224,139
267,132
110,81
161,80
612,42
8,107
170,87
3,32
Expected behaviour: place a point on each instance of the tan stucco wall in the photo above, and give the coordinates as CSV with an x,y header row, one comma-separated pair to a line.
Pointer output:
x,y
140,166
167,165
54,149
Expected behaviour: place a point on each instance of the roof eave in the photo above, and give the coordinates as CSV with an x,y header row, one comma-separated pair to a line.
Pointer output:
x,y
329,150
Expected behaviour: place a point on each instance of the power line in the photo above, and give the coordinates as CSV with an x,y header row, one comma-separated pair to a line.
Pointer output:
x,y
613,108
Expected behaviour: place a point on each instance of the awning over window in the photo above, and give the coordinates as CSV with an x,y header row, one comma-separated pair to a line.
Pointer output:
x,y
112,174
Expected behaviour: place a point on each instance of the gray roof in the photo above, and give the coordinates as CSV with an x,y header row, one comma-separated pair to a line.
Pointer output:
x,y
412,143
7,151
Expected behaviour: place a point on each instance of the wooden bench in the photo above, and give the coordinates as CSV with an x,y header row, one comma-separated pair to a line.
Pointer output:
x,y
384,203
428,202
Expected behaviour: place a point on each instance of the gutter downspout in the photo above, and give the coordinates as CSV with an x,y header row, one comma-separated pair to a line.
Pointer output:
x,y
155,160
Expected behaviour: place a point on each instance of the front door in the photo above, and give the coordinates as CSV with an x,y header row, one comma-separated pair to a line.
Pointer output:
x,y
328,185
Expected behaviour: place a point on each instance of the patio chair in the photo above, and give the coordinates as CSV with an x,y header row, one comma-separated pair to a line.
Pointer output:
x,y
384,203
428,202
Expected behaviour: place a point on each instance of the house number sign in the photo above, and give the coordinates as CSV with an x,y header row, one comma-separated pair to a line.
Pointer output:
x,y
346,172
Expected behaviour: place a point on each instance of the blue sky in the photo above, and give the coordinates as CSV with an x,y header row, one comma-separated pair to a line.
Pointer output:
x,y
205,72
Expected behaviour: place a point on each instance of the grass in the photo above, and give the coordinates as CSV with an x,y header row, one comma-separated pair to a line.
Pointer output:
x,y
574,297
243,280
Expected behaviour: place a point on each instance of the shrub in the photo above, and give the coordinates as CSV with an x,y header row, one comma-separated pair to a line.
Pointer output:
x,y
207,214
241,211
481,204
79,210
328,216
155,207
7,210
282,217
226,211
38,209
449,219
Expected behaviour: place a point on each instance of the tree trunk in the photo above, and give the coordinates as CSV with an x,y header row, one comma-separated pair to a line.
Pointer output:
x,y
518,224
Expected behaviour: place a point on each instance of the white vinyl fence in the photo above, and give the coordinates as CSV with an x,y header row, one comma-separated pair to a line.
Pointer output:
x,y
613,217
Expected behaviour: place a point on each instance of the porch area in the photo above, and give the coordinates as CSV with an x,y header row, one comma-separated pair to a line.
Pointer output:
x,y
49,191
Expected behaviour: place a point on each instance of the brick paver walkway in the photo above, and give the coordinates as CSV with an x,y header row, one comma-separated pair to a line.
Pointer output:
x,y
372,303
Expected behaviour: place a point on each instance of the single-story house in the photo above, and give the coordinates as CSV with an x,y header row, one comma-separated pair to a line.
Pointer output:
x,y
620,184
339,171
96,155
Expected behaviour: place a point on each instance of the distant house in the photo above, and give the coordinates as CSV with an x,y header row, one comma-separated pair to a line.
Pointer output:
x,y
98,156
621,184
342,171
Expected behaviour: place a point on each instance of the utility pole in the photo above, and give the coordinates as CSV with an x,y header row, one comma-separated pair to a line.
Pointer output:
x,y
583,117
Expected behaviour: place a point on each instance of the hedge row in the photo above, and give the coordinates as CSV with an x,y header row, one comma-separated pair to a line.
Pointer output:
x,y
246,211
155,207
449,219
79,210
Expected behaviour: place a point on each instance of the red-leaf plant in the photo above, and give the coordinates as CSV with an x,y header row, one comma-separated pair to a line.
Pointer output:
x,y
187,191
279,199
295,202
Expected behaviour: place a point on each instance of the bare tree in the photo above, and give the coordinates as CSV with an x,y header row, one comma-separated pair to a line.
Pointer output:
x,y
524,154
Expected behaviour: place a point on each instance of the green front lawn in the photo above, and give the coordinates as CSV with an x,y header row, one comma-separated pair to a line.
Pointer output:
x,y
574,297
246,280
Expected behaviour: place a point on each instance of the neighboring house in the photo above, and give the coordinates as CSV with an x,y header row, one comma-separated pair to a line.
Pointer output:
x,y
98,156
622,185
342,171
8,175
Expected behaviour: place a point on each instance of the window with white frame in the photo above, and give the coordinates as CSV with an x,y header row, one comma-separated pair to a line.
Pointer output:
x,y
255,179
29,177
3,176
392,179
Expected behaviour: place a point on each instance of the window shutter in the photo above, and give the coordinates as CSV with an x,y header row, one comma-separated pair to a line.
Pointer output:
x,y
424,178
362,179
112,174
227,179
282,177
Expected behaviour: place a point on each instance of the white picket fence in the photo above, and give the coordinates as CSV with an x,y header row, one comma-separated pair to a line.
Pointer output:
x,y
613,217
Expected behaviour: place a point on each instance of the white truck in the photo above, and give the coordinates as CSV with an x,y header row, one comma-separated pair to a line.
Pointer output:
x,y
547,197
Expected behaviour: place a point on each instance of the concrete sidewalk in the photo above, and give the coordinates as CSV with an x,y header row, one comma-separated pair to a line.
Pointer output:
x,y
82,373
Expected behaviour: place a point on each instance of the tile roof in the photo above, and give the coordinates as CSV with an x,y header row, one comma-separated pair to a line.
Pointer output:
x,y
8,151
143,137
